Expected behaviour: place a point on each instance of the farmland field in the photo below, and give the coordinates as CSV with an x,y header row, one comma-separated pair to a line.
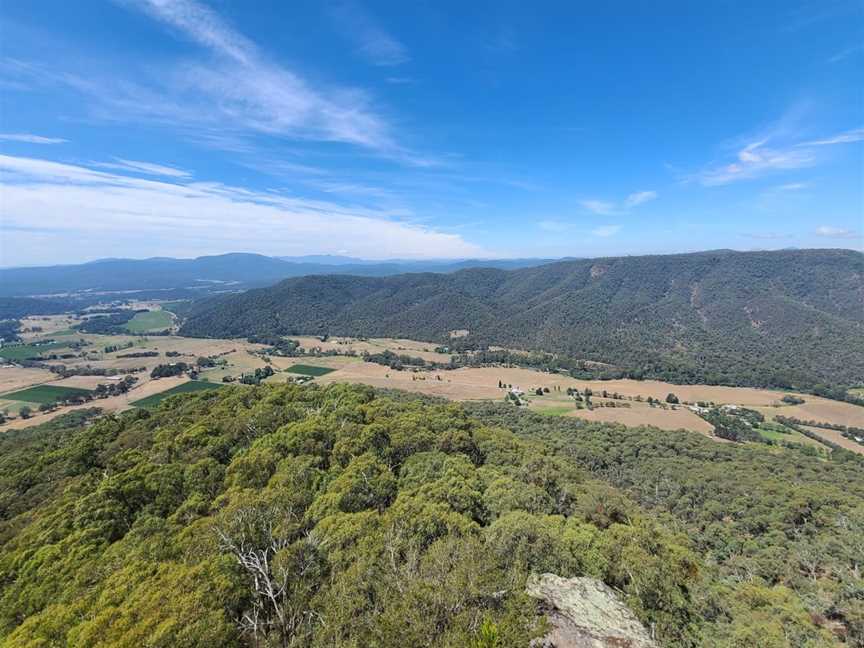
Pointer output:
x,y
29,351
44,394
309,370
13,378
835,437
470,383
790,436
183,388
154,320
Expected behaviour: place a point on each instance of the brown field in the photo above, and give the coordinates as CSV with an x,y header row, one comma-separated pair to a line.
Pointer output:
x,y
423,350
49,323
482,383
90,382
459,384
189,348
15,378
836,437
821,410
646,415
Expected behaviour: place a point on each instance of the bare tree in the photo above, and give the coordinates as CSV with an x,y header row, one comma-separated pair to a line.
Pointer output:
x,y
282,567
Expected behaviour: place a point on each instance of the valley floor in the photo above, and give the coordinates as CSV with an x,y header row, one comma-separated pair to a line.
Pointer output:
x,y
620,401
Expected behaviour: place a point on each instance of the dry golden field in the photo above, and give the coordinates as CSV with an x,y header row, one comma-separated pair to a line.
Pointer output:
x,y
459,384
836,437
821,410
679,419
425,350
13,378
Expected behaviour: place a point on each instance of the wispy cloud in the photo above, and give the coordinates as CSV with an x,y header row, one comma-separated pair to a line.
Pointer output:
x,y
854,135
90,207
777,149
606,230
31,139
792,186
143,167
370,39
229,94
755,160
846,53
607,208
601,207
247,87
829,231
639,197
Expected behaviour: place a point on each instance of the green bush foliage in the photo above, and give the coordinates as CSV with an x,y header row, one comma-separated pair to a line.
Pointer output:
x,y
305,516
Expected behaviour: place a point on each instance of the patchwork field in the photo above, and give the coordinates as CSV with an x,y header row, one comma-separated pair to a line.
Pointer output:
x,y
237,357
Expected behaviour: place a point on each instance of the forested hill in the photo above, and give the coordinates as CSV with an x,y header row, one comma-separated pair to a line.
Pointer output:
x,y
300,516
787,318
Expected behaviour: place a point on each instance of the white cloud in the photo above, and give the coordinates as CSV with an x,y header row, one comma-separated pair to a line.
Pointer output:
x,y
31,139
608,208
264,96
776,149
639,197
836,232
599,206
792,186
232,93
143,167
755,160
371,40
52,211
854,135
606,230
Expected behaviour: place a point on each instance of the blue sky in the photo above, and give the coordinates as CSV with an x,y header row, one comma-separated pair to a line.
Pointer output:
x,y
428,129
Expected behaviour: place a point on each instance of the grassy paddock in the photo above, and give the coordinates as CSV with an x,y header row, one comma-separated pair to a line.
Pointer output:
x,y
185,388
157,320
45,394
309,370
29,351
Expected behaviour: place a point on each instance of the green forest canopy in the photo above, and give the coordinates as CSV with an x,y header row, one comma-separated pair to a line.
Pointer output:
x,y
388,520
789,319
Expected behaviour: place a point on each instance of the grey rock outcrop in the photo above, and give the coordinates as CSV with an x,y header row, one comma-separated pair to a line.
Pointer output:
x,y
585,613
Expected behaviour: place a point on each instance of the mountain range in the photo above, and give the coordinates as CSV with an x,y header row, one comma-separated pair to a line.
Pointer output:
x,y
792,318
209,274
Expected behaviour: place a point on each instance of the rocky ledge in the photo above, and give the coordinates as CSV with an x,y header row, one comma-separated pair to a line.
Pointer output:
x,y
585,613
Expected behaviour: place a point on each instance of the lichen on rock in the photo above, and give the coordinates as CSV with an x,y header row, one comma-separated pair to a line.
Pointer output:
x,y
585,613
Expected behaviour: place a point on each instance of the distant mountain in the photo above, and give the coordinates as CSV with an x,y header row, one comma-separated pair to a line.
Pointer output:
x,y
208,274
786,318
